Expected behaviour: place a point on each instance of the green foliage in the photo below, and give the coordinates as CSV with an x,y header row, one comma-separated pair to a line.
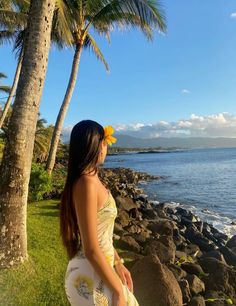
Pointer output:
x,y
184,259
40,182
227,300
58,181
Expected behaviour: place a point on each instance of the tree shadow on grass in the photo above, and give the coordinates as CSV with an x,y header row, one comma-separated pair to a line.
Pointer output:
x,y
48,214
49,206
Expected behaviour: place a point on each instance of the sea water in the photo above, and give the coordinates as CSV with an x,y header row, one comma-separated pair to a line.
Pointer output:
x,y
202,180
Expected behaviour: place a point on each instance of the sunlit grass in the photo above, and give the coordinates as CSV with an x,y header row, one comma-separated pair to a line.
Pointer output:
x,y
40,280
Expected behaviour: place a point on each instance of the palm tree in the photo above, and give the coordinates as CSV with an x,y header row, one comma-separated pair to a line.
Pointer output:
x,y
102,16
13,17
42,140
18,151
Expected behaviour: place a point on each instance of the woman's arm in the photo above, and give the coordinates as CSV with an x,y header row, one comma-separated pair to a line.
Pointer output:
x,y
116,255
85,200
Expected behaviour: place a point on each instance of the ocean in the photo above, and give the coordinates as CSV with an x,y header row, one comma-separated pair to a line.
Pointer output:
x,y
202,180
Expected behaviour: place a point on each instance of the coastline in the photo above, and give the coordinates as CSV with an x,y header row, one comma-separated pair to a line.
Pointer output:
x,y
173,239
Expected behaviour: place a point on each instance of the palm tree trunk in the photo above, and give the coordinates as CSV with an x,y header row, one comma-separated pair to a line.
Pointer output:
x,y
13,89
62,113
18,151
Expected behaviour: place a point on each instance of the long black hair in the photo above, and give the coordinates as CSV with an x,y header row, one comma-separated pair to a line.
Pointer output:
x,y
85,141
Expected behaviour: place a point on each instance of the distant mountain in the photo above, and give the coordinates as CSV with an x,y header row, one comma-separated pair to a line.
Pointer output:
x,y
183,143
126,141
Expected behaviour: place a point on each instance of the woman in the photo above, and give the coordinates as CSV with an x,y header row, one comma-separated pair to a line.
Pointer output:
x,y
95,274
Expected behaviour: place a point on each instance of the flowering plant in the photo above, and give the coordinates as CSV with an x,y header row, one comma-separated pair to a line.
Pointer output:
x,y
109,130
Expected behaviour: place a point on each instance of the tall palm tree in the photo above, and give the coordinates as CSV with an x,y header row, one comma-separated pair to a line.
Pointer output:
x,y
13,18
18,151
102,15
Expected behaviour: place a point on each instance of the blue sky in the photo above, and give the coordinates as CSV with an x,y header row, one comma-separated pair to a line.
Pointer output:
x,y
187,75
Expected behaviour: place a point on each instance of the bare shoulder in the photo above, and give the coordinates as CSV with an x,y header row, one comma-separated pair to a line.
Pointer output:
x,y
84,186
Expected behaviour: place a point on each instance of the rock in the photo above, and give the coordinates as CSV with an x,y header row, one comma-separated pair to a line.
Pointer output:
x,y
123,218
164,248
184,286
192,268
220,278
232,242
215,254
177,271
197,238
186,213
118,229
133,228
229,256
162,227
155,284
191,249
128,242
196,285
142,237
178,239
179,254
148,213
125,202
132,258
233,249
211,294
197,301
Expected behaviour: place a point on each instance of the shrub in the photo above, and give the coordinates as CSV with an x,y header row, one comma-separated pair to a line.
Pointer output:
x,y
40,182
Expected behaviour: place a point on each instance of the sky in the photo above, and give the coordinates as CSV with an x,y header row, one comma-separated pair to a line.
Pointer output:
x,y
183,83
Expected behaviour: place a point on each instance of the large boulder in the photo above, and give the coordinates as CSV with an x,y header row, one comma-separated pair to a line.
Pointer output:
x,y
154,283
164,248
221,277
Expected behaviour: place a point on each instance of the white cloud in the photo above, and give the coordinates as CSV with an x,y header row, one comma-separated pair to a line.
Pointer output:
x,y
185,91
233,15
215,125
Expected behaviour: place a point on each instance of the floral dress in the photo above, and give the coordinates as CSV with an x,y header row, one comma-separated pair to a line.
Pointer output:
x,y
83,286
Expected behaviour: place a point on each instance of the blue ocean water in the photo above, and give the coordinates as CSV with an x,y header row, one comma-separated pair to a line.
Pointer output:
x,y
203,180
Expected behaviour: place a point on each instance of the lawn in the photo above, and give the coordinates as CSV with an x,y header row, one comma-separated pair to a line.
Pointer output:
x,y
40,280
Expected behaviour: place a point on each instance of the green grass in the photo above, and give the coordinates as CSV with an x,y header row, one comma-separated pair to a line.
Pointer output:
x,y
40,280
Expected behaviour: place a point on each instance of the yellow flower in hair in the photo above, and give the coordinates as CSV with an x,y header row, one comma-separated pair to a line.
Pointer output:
x,y
108,130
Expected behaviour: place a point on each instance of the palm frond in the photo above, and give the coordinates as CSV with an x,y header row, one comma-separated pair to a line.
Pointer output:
x,y
12,20
146,14
3,75
19,43
7,36
91,43
5,88
64,22
21,5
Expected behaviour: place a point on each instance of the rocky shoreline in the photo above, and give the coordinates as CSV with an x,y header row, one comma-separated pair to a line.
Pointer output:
x,y
174,257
